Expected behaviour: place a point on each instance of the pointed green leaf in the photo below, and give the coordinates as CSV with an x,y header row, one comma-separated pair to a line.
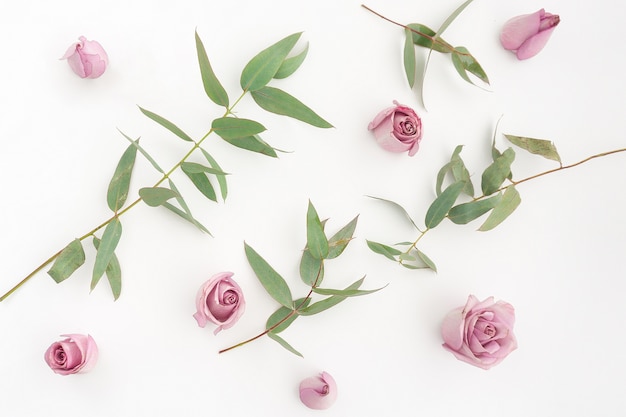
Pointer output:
x,y
264,66
156,196
120,183
427,261
108,243
329,302
167,124
277,101
146,155
221,178
423,36
339,241
510,200
290,65
212,86
311,269
317,243
283,317
284,343
540,147
196,168
345,292
442,204
273,283
494,175
385,250
466,212
185,213
399,207
464,62
409,57
68,261
113,273
236,128
459,172
253,144
202,183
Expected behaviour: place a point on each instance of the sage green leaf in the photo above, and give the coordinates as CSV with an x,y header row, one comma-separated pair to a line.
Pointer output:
x,y
466,212
68,261
329,302
236,128
442,204
156,196
284,343
346,292
385,250
510,200
185,213
311,269
453,16
464,62
427,261
167,124
540,147
273,283
290,65
283,317
254,144
316,240
212,86
146,155
423,36
456,166
339,241
108,243
113,273
120,183
494,175
264,66
202,183
221,178
409,57
399,207
196,168
277,101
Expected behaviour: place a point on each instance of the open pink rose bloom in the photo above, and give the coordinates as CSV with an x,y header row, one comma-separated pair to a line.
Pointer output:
x,y
397,129
481,332
87,58
318,392
526,35
77,353
220,301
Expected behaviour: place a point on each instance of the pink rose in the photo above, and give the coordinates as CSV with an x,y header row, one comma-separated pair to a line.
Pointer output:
x,y
526,35
87,58
220,301
77,353
397,129
318,392
481,333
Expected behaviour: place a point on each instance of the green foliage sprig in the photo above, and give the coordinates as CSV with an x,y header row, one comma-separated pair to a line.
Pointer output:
x,y
498,197
417,34
274,62
319,248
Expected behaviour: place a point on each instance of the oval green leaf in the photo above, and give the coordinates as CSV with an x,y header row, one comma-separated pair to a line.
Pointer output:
x,y
253,144
466,212
329,302
202,183
385,250
108,243
156,196
277,101
120,183
290,65
68,261
541,147
273,283
234,128
510,200
212,86
494,175
409,57
442,204
283,317
339,241
465,63
311,269
316,240
113,273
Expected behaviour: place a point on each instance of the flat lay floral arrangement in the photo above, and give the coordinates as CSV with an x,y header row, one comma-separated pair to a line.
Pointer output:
x,y
479,330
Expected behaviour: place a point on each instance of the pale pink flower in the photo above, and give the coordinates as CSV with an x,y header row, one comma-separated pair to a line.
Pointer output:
x,y
318,392
526,35
397,129
220,301
481,332
77,353
87,58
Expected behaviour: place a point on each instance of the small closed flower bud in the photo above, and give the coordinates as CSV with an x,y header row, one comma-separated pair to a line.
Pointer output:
x,y
526,35
77,353
397,129
220,301
318,392
87,58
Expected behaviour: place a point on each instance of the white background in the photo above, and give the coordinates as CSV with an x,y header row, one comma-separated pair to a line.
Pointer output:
x,y
558,259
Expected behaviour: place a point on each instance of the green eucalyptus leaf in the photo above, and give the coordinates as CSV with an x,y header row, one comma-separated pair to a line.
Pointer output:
x,y
344,293
466,212
494,175
202,183
264,66
399,207
68,261
283,317
427,261
317,243
120,183
329,302
277,101
452,17
385,250
167,124
409,57
196,168
185,213
113,272
456,166
464,62
541,147
254,144
339,241
423,36
273,283
442,204
108,243
236,128
509,202
212,86
290,65
221,178
284,343
156,196
146,155
311,269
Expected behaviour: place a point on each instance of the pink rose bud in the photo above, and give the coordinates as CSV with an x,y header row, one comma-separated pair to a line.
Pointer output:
x,y
77,353
220,301
397,129
87,58
480,333
526,35
318,392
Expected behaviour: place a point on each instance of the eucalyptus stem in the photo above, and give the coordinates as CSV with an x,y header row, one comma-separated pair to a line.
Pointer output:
x,y
117,214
